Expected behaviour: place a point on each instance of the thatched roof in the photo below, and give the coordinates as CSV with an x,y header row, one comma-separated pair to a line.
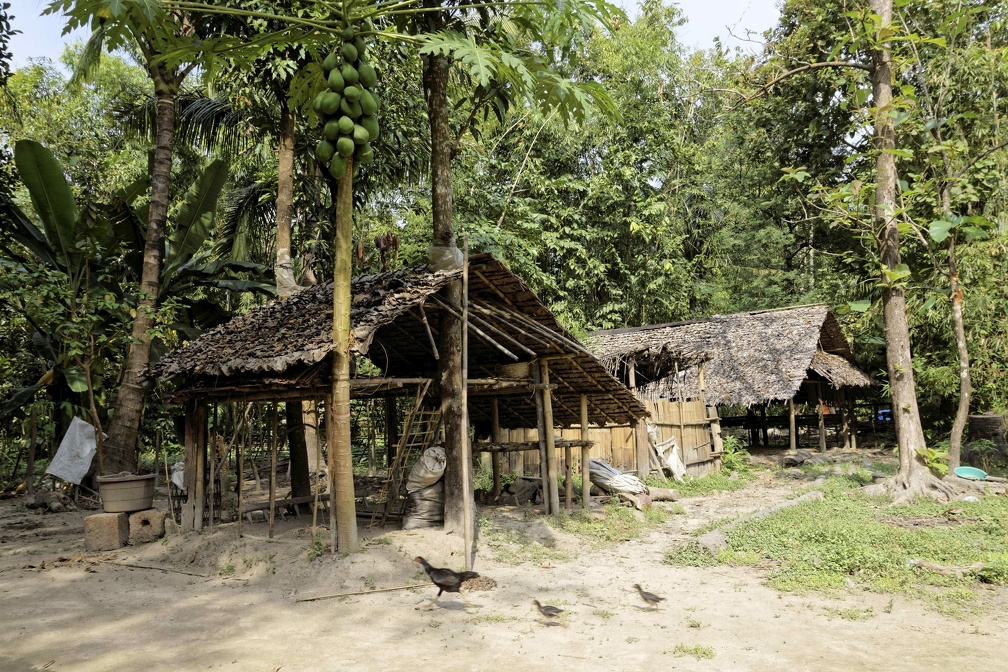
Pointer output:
x,y
748,358
283,349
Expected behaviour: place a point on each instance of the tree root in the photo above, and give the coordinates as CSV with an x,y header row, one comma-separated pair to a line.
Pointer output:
x,y
907,488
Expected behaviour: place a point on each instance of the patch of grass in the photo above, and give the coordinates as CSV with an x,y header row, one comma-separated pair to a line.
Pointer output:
x,y
819,544
852,614
227,570
690,554
603,613
675,509
316,548
706,484
710,526
616,523
694,623
512,547
495,618
698,651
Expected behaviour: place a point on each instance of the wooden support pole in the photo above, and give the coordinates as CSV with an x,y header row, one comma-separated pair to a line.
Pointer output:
x,y
495,437
240,470
822,419
852,409
273,468
844,420
468,503
585,456
195,465
541,427
551,455
792,426
568,479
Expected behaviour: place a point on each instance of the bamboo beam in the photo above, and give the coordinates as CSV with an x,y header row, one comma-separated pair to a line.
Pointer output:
x,y
568,479
551,456
478,332
585,450
430,334
822,420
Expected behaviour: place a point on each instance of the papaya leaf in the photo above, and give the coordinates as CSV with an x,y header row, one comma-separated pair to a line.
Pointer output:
x,y
860,306
895,275
51,197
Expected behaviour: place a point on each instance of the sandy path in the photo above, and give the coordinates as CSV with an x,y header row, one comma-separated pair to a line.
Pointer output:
x,y
88,615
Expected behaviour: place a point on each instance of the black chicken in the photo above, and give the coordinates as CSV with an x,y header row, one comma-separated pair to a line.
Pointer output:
x,y
650,598
446,580
548,610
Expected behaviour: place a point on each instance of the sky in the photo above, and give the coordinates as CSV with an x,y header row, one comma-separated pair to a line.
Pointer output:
x,y
707,19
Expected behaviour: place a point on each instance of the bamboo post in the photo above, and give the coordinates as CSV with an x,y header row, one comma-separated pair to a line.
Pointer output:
x,y
390,429
210,487
792,426
201,458
541,427
495,437
318,476
844,419
468,505
551,456
240,471
822,419
852,409
585,456
273,468
32,446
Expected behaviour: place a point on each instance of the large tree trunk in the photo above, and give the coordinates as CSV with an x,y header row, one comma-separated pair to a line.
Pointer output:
x,y
914,477
965,387
436,70
121,447
344,537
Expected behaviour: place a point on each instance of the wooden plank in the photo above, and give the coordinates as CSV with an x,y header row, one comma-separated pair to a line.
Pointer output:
x,y
585,456
495,436
551,456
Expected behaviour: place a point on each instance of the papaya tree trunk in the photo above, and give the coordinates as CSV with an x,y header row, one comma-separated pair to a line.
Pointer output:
x,y
965,387
344,537
121,448
435,75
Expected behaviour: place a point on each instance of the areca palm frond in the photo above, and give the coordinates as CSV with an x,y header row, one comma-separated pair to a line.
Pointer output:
x,y
247,225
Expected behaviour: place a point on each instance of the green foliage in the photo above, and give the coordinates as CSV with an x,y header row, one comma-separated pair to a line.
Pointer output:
x,y
706,484
698,651
615,524
735,457
936,457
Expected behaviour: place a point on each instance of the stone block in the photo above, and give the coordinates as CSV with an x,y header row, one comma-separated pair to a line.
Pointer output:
x,y
106,531
146,526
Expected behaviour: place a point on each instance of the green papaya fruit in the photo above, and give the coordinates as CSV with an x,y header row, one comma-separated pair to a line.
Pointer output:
x,y
371,124
368,102
350,75
331,102
331,130
351,108
349,53
364,154
348,33
353,94
324,150
359,45
317,103
346,125
360,135
345,146
368,76
337,167
335,81
331,61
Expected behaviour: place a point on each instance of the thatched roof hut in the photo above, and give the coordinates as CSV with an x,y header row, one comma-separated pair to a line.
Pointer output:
x,y
282,350
748,358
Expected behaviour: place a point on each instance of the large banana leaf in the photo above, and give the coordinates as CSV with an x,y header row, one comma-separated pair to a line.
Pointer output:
x,y
21,229
19,398
52,198
195,219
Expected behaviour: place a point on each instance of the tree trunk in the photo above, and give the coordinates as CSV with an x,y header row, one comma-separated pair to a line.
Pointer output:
x,y
436,70
965,387
286,284
344,537
914,477
300,483
121,453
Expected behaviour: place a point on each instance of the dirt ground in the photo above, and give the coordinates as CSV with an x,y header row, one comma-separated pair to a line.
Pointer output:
x,y
237,606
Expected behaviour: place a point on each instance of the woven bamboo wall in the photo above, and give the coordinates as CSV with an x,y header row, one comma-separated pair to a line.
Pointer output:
x,y
687,422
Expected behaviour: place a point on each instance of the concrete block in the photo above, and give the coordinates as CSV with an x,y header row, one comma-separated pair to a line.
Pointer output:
x,y
146,526
106,531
